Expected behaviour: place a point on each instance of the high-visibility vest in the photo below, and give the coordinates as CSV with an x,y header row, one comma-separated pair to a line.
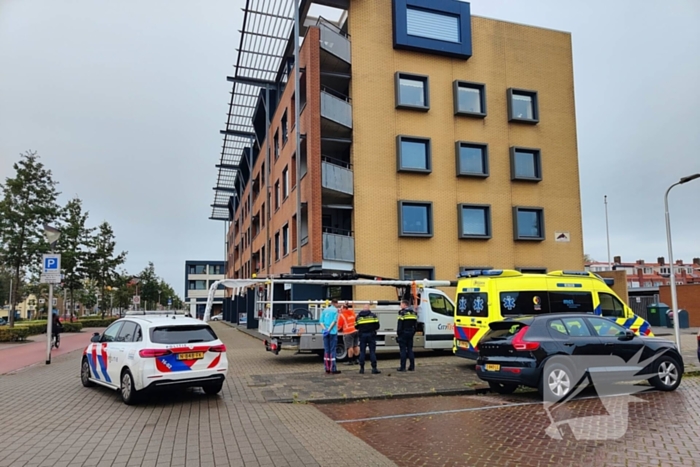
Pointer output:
x,y
347,321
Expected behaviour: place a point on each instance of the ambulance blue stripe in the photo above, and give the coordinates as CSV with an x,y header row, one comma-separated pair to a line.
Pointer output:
x,y
598,310
578,286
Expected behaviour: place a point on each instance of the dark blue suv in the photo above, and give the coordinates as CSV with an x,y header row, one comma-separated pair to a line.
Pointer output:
x,y
555,353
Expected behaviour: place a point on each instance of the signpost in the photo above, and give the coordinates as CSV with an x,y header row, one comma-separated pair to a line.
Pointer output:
x,y
50,274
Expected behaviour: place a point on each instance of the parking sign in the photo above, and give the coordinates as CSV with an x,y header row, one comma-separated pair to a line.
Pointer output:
x,y
52,263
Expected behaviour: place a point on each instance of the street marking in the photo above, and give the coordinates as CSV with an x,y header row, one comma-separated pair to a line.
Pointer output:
x,y
471,409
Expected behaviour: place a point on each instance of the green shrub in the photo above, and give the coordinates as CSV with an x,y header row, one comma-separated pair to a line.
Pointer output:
x,y
13,334
32,329
72,327
97,323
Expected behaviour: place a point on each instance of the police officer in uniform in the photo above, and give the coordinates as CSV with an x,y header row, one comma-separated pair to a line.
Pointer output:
x,y
367,325
405,330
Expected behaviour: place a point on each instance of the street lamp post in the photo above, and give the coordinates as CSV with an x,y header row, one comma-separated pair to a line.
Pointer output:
x,y
674,296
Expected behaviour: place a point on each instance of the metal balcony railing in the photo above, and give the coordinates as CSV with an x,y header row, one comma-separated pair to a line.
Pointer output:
x,y
335,176
338,247
336,107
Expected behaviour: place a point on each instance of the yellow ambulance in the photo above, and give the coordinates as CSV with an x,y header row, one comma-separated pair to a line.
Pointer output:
x,y
485,296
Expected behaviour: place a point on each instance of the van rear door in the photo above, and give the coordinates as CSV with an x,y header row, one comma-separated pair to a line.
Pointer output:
x,y
438,318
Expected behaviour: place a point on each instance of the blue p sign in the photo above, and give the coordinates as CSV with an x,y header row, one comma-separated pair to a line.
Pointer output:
x,y
52,263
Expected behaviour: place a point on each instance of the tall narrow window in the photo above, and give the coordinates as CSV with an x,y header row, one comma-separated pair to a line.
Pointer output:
x,y
432,25
277,195
277,246
285,129
285,240
285,183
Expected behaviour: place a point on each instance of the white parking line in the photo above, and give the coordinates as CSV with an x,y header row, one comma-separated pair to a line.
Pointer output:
x,y
471,409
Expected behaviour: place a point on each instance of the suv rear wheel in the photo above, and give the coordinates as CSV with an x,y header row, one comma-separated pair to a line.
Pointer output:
x,y
557,382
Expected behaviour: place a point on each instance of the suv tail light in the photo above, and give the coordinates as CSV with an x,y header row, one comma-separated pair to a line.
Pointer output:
x,y
519,342
217,348
152,353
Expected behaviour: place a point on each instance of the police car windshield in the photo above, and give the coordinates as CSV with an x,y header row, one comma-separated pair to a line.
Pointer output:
x,y
182,334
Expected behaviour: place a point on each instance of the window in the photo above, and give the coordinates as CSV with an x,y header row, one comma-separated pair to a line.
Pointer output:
x,y
262,214
294,170
411,91
413,154
440,305
522,106
436,26
277,246
415,219
469,99
285,129
472,159
607,328
611,306
285,240
432,25
277,144
182,334
285,183
574,327
408,273
198,269
110,334
303,163
277,195
472,304
525,164
474,221
198,285
524,303
127,332
565,302
216,269
294,232
528,223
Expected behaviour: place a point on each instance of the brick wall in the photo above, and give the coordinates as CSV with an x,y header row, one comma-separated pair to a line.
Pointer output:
x,y
504,55
688,299
620,286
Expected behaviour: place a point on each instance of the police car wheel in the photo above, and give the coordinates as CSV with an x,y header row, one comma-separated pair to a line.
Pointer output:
x,y
126,388
503,388
85,373
213,389
668,374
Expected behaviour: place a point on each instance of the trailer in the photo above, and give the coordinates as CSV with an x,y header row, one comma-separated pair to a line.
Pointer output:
x,y
294,324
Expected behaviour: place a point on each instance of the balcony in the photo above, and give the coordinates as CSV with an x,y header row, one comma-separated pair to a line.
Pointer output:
x,y
336,43
336,176
338,246
337,111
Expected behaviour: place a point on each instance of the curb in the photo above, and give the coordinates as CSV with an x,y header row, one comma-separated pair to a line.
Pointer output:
x,y
407,395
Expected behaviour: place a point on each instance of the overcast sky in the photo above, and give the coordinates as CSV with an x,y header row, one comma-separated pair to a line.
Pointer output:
x,y
124,102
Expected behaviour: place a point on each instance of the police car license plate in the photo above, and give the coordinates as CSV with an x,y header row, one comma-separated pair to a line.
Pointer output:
x,y
492,367
190,356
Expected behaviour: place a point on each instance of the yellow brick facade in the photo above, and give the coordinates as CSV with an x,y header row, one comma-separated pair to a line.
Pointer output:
x,y
505,55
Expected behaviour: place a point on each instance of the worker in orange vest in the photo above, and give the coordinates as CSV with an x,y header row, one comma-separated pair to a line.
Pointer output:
x,y
346,323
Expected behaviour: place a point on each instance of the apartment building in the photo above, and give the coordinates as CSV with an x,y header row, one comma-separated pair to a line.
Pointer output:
x,y
199,277
430,141
642,274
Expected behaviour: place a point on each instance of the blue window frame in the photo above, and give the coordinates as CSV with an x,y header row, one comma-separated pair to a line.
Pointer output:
x,y
442,27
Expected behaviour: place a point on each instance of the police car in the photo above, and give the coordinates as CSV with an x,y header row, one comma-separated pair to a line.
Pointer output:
x,y
145,352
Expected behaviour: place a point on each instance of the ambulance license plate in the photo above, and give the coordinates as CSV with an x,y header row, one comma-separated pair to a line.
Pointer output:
x,y
492,367
190,356
463,345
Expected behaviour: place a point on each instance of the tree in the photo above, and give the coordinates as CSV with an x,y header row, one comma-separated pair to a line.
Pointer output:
x,y
88,294
587,259
73,244
167,292
101,262
28,202
149,285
